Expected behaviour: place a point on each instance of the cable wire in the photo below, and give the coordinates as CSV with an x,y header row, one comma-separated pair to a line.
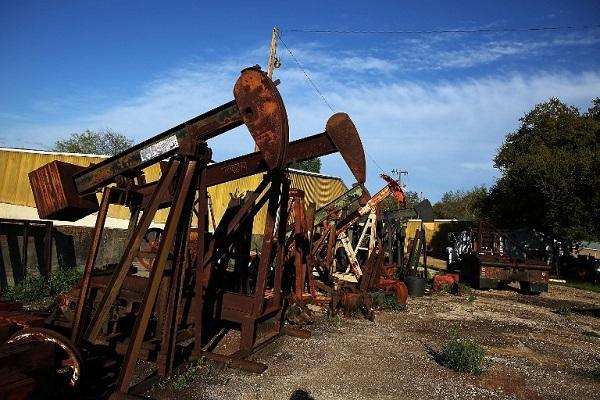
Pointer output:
x,y
306,74
443,31
315,87
412,32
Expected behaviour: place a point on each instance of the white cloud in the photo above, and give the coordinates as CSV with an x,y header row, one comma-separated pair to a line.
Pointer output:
x,y
445,133
444,51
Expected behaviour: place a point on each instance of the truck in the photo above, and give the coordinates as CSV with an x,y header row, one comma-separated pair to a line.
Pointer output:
x,y
487,257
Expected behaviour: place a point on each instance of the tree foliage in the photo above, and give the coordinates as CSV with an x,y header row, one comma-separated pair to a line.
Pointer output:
x,y
550,173
310,165
391,204
461,204
105,142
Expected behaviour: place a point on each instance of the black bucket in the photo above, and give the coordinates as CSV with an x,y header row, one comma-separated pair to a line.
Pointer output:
x,y
415,285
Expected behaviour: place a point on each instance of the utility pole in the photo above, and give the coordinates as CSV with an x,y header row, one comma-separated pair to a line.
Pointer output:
x,y
400,173
274,61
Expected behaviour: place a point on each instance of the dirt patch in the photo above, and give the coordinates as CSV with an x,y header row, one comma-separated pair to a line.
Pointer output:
x,y
536,353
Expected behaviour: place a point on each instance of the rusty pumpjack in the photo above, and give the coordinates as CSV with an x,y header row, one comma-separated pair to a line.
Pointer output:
x,y
193,292
336,220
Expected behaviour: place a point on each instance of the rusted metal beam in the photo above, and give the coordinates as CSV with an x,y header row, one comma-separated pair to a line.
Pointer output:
x,y
174,231
257,103
341,136
132,246
322,144
198,265
391,189
344,200
89,265
267,246
160,147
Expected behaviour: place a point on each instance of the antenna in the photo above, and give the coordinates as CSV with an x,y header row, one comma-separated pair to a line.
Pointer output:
x,y
400,173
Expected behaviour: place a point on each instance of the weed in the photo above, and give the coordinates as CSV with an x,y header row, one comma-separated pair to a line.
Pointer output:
x,y
472,297
591,334
386,301
463,355
390,303
446,289
592,373
565,311
333,322
463,288
378,297
592,287
35,288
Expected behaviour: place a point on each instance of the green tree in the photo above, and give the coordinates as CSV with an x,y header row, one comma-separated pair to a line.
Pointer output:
x,y
310,165
105,142
461,204
391,204
550,173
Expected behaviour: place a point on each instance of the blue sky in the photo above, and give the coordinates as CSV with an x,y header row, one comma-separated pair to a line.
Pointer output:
x,y
437,105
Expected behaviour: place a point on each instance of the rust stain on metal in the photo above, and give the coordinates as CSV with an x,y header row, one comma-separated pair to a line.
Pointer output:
x,y
344,135
73,360
264,114
395,188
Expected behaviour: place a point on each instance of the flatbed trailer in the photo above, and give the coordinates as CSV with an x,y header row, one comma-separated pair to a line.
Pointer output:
x,y
493,260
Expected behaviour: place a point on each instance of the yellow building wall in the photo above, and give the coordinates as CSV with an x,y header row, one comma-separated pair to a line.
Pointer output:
x,y
412,226
318,190
15,166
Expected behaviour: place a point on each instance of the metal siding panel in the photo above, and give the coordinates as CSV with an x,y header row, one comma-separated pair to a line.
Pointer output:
x,y
15,189
16,165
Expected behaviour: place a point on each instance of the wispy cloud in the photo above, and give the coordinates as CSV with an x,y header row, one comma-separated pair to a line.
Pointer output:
x,y
343,60
445,132
443,52
436,52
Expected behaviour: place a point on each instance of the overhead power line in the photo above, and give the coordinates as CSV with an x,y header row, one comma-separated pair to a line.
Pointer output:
x,y
443,31
409,32
306,75
318,91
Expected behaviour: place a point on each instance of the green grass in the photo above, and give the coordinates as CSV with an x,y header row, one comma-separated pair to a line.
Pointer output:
x,y
591,334
472,297
332,322
463,355
565,311
386,301
35,288
446,289
589,286
463,288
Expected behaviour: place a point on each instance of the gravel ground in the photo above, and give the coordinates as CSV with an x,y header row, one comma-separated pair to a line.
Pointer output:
x,y
537,353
